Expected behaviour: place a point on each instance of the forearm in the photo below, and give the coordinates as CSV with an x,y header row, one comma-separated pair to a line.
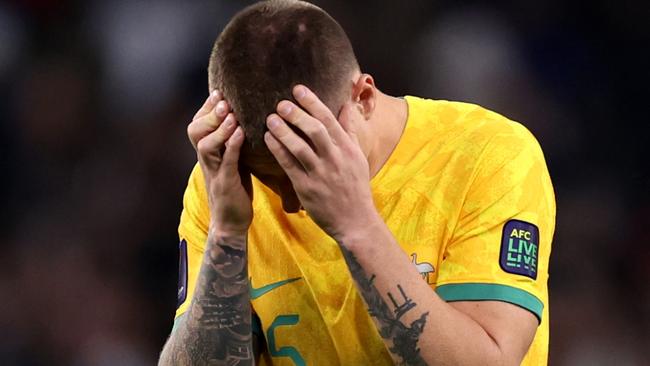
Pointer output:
x,y
418,327
217,327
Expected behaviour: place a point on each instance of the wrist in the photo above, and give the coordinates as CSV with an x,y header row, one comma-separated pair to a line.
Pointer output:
x,y
361,234
218,233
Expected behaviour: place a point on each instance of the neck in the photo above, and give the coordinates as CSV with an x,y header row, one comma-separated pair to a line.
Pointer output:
x,y
392,114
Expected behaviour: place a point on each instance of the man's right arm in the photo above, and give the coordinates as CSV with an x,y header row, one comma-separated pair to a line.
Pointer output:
x,y
216,329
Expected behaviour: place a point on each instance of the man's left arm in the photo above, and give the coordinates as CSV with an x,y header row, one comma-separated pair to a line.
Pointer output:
x,y
331,178
419,327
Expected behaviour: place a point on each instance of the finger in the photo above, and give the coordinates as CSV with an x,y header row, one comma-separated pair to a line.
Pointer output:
x,y
298,147
315,107
206,124
209,148
287,161
346,120
230,164
314,129
209,104
245,177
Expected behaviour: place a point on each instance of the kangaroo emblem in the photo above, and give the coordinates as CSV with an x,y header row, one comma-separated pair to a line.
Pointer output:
x,y
424,268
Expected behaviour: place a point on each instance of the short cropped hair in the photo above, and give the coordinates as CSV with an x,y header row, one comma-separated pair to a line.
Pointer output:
x,y
271,46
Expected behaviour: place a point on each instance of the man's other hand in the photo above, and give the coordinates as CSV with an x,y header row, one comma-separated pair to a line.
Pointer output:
x,y
330,175
217,139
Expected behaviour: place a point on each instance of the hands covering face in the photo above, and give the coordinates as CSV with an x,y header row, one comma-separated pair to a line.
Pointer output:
x,y
330,175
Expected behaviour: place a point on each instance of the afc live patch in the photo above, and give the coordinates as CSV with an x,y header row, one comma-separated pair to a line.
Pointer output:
x,y
520,248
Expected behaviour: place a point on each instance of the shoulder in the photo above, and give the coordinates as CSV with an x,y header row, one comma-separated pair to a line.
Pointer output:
x,y
474,150
468,131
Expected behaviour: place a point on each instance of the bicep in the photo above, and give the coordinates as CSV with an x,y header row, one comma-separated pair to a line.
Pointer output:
x,y
511,327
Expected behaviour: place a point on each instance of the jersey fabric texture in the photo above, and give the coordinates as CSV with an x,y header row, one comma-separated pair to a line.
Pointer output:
x,y
467,195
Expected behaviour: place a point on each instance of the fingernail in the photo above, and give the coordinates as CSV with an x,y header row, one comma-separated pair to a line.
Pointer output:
x,y
268,138
238,132
299,92
229,122
214,96
273,122
285,108
221,107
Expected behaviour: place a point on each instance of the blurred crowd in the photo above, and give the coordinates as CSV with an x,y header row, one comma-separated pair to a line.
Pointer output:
x,y
95,97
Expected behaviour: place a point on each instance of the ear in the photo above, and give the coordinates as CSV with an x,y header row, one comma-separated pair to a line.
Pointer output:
x,y
364,95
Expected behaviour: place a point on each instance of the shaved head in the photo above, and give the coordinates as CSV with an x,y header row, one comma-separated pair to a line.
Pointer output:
x,y
267,49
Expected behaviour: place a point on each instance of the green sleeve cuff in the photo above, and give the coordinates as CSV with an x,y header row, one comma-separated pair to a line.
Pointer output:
x,y
492,291
177,321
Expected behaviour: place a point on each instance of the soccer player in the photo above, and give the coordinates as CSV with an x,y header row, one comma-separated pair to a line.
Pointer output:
x,y
382,230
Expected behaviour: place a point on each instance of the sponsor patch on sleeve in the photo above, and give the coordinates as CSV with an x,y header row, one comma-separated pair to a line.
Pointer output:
x,y
520,248
182,273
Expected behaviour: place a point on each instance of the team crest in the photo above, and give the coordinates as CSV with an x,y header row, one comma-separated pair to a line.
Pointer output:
x,y
425,268
519,248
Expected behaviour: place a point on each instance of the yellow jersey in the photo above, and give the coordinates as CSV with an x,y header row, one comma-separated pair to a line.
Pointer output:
x,y
467,195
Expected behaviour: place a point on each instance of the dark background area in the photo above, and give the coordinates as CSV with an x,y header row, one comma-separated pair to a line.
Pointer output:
x,y
95,97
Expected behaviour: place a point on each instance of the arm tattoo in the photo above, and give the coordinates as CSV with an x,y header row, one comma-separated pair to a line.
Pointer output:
x,y
404,338
217,328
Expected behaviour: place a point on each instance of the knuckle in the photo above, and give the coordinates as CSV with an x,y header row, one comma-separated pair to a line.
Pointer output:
x,y
203,147
310,129
223,128
319,171
210,120
300,151
200,147
320,129
192,136
191,130
309,189
219,138
329,119
284,161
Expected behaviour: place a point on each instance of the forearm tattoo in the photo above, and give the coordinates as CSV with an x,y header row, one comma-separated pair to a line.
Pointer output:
x,y
217,329
402,337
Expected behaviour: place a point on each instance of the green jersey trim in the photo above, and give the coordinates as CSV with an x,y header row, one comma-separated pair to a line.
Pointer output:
x,y
492,291
177,321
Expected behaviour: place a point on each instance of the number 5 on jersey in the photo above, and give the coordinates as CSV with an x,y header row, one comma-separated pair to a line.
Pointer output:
x,y
285,351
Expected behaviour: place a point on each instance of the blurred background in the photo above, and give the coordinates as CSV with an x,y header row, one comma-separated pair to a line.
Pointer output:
x,y
95,97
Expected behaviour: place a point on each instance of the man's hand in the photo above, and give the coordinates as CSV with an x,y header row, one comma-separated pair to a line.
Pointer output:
x,y
330,175
216,328
217,139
